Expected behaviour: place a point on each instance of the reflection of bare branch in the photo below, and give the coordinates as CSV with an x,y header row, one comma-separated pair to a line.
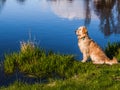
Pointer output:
x,y
104,9
88,13
117,30
2,2
59,0
118,9
21,1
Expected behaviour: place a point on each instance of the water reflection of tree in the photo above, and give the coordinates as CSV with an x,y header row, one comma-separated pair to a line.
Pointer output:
x,y
2,2
87,13
117,30
21,1
59,0
104,9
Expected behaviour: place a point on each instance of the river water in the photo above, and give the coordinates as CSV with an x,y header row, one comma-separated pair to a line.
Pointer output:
x,y
52,23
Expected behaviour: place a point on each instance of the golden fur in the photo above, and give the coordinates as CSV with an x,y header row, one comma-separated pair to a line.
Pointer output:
x,y
90,49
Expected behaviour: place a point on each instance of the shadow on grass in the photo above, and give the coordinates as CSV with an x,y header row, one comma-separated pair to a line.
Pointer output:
x,y
8,79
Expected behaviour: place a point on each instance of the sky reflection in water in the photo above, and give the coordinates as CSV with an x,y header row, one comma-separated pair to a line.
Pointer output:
x,y
52,23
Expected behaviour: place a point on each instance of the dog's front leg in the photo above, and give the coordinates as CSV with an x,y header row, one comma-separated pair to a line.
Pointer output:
x,y
85,57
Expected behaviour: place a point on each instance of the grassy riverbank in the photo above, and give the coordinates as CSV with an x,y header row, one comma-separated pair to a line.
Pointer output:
x,y
98,77
62,72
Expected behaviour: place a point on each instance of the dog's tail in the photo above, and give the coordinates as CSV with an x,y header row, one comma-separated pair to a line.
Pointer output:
x,y
111,62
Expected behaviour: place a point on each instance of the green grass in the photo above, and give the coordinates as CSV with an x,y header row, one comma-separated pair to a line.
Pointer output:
x,y
63,72
37,63
90,77
113,50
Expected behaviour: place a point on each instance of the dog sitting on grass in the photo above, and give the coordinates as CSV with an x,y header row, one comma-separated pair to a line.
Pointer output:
x,y
90,49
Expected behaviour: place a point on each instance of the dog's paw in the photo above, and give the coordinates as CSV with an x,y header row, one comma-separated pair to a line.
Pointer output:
x,y
83,61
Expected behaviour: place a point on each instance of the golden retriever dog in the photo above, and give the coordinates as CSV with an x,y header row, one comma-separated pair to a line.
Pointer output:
x,y
90,49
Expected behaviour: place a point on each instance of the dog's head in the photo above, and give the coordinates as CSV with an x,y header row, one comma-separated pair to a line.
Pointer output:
x,y
81,32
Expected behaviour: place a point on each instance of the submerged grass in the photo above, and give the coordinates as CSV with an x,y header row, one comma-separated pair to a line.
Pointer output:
x,y
62,71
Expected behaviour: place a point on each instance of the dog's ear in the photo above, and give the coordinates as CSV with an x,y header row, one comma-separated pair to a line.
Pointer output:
x,y
84,30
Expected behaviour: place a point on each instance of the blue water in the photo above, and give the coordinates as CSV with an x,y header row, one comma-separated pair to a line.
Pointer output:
x,y
52,24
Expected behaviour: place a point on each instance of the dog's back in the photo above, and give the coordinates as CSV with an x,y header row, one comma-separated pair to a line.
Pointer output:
x,y
98,56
